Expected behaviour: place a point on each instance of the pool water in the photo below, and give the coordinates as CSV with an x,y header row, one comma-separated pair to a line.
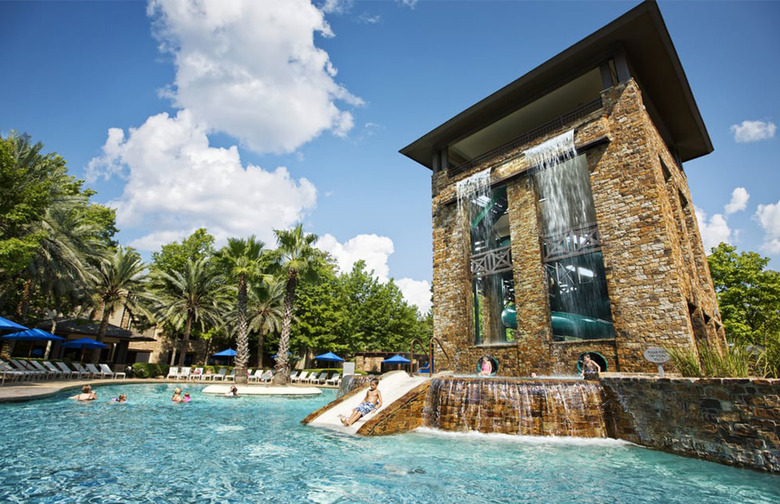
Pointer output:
x,y
254,449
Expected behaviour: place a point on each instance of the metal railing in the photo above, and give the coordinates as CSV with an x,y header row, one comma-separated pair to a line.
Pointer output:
x,y
492,261
574,242
540,131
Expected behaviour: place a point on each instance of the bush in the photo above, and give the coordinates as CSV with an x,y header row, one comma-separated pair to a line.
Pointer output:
x,y
149,370
734,362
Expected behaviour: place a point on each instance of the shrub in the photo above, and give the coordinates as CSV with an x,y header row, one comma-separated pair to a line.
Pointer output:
x,y
149,370
733,362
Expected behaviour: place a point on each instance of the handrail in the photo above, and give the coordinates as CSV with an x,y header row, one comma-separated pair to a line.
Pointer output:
x,y
430,363
411,354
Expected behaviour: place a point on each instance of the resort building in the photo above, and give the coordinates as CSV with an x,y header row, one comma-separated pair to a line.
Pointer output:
x,y
562,219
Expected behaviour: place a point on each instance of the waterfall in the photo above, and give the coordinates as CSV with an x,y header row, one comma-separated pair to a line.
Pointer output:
x,y
524,407
563,182
472,187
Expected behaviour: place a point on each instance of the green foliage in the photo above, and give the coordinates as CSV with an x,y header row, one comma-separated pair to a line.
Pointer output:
x,y
734,362
174,256
748,295
149,370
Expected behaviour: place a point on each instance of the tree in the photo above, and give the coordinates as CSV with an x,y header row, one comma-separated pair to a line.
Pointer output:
x,y
196,293
243,260
297,259
748,294
265,311
119,280
174,256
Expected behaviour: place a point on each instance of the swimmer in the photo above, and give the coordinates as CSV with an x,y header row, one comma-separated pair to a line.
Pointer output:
x,y
86,394
233,392
187,397
120,400
177,395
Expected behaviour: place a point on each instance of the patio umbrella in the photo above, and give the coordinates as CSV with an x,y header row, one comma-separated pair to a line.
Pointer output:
x,y
32,335
9,324
226,353
330,357
83,344
396,359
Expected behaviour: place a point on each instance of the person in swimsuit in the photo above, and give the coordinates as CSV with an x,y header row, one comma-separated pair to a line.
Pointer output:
x,y
590,368
187,397
86,394
177,398
486,367
372,401
121,399
233,392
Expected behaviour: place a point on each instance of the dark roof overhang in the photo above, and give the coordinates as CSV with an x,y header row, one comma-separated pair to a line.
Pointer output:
x,y
642,35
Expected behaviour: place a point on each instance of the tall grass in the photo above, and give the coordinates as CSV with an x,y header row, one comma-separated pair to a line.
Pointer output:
x,y
734,362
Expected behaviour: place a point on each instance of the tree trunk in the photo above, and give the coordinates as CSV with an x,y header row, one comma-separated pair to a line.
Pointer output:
x,y
186,342
242,339
24,301
260,341
101,334
282,376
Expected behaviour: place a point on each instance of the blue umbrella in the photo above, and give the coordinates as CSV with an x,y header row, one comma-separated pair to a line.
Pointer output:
x,y
83,343
8,324
225,353
330,356
32,335
396,359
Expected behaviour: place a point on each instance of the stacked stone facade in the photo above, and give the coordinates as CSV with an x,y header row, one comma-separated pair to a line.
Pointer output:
x,y
658,281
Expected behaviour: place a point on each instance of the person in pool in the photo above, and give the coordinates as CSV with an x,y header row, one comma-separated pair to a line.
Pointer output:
x,y
177,398
86,394
590,368
187,397
233,392
485,366
120,400
372,401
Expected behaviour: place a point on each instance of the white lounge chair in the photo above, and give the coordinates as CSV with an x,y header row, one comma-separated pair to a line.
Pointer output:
x,y
22,366
58,373
66,369
267,376
301,377
107,369
83,370
334,380
37,366
195,374
294,374
10,372
231,375
99,373
318,379
184,374
256,376
207,375
173,372
220,375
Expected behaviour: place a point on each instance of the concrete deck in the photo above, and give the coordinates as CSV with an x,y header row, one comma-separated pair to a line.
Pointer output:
x,y
31,390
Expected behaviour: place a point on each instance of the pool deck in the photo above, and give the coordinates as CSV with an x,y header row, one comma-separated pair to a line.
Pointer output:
x,y
31,390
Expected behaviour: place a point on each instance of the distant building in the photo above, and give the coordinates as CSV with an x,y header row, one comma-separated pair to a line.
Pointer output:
x,y
562,218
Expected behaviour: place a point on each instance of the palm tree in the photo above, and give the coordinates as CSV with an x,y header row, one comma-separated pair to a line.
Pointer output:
x,y
197,293
242,258
265,311
297,258
115,279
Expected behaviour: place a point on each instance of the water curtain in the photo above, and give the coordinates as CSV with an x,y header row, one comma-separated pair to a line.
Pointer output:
x,y
563,182
472,187
525,407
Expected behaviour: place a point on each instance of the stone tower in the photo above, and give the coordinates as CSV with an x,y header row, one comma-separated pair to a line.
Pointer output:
x,y
562,218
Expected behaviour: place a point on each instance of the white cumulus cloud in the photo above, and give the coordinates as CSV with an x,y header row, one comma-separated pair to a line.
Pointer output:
x,y
768,217
713,230
739,199
251,69
176,183
375,251
753,131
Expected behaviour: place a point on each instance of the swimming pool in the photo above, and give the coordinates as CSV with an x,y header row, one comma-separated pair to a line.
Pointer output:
x,y
254,449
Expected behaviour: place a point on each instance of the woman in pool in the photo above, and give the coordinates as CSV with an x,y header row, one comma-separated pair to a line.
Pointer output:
x,y
120,400
233,392
86,394
177,398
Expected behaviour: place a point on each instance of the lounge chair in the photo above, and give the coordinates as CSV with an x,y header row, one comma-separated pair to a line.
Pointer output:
x,y
318,379
230,376
57,372
82,370
184,374
15,374
293,375
37,366
66,369
173,372
107,369
300,378
99,373
208,375
195,374
220,375
256,376
267,376
334,380
22,366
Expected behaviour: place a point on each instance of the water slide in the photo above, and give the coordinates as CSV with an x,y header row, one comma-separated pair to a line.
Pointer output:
x,y
392,385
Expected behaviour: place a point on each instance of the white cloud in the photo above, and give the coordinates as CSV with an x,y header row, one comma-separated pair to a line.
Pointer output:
x,y
713,231
768,217
251,69
753,131
739,199
375,251
177,183
416,292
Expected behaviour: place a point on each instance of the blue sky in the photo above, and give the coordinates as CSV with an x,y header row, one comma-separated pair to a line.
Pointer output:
x,y
245,116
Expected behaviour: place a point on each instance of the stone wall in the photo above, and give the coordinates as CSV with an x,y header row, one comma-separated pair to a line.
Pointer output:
x,y
403,415
659,285
733,421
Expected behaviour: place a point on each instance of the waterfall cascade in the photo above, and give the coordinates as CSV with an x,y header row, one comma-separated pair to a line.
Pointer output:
x,y
472,187
524,407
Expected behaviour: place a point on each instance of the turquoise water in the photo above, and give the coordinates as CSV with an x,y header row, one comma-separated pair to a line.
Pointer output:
x,y
254,449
